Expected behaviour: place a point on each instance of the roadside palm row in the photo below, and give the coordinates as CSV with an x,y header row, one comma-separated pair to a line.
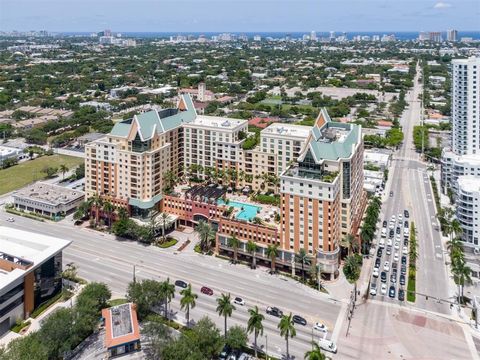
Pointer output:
x,y
149,294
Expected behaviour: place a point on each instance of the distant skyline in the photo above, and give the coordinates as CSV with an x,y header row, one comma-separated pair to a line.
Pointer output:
x,y
239,15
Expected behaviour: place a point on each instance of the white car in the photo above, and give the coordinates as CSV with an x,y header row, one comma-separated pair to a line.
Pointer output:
x,y
375,272
239,301
320,327
397,245
392,225
389,242
381,243
373,289
400,217
11,219
384,289
405,250
393,218
386,266
395,257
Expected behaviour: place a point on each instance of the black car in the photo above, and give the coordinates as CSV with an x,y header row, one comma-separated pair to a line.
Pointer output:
x,y
394,266
385,223
406,214
404,260
405,242
391,233
391,292
401,295
181,283
405,223
393,279
379,252
272,310
297,319
383,276
398,230
403,269
402,279
377,262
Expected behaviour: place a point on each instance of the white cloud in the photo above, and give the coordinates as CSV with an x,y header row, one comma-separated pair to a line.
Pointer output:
x,y
442,5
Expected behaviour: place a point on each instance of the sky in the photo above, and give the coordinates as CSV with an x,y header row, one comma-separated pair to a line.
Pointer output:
x,y
239,15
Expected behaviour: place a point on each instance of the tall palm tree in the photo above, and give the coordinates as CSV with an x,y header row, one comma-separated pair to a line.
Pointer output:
x,y
351,269
206,233
96,202
454,245
287,329
455,228
225,308
163,219
255,324
234,243
347,242
168,291
252,248
187,301
108,210
272,253
63,170
315,353
302,258
462,276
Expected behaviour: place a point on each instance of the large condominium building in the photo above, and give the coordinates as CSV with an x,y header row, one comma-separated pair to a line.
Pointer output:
x,y
452,35
322,196
466,106
468,208
213,142
30,269
285,141
127,166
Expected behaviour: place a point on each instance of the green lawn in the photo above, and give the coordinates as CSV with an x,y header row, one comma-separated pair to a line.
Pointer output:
x,y
26,172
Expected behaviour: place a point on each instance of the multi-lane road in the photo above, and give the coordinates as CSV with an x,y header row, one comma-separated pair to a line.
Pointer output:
x,y
102,258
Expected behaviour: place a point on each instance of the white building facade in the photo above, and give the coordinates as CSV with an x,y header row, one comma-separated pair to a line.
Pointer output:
x,y
468,201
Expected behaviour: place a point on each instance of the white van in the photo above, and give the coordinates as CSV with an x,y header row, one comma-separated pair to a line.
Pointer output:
x,y
381,243
384,232
327,345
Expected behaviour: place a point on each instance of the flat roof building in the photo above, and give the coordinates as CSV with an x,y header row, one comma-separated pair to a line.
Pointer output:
x,y
122,334
47,199
30,268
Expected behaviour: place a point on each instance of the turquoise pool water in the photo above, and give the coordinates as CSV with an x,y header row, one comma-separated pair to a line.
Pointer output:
x,y
248,213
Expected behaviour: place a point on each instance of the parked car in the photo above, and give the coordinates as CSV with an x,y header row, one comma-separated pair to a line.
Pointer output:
x,y
389,250
206,290
401,295
375,272
386,266
11,219
384,289
297,319
402,279
320,327
272,310
373,289
405,250
385,223
327,345
379,252
239,301
404,260
383,276
181,283
391,193
391,292
403,269
377,262
406,214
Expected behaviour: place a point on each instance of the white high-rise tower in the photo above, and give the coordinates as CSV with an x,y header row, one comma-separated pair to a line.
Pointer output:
x,y
466,106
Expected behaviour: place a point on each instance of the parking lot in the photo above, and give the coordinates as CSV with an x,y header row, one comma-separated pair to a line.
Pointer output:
x,y
389,274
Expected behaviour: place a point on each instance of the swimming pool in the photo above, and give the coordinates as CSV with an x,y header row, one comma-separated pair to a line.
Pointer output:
x,y
248,211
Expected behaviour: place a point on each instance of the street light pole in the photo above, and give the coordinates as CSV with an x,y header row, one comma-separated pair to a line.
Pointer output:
x,y
134,277
266,347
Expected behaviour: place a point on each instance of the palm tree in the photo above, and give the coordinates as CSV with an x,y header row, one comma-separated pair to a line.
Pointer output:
x,y
63,170
461,276
234,243
82,211
168,291
122,213
287,329
349,243
255,324
454,245
315,353
225,308
96,202
302,257
351,269
206,233
187,301
272,253
455,228
252,249
163,218
108,210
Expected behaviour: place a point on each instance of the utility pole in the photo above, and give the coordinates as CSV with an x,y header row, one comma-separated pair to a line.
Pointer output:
x,y
134,278
350,308
266,347
421,117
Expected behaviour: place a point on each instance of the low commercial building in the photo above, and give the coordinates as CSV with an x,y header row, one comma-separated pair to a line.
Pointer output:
x,y
468,212
7,152
48,199
30,268
122,334
380,159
